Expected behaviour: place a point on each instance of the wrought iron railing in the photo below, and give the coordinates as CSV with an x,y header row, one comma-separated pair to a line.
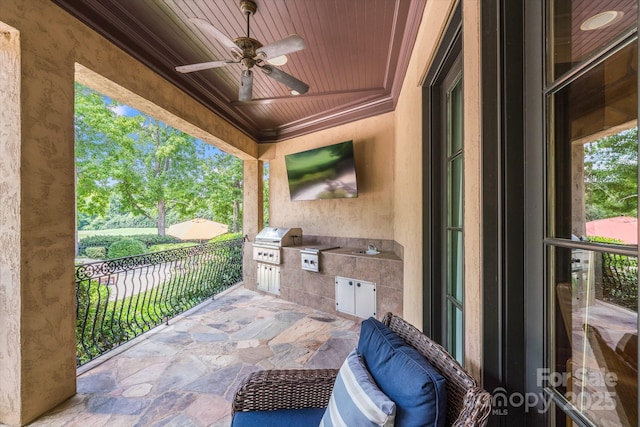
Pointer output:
x,y
119,299
620,280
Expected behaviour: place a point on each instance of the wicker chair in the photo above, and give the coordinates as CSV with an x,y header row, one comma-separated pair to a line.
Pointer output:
x,y
467,404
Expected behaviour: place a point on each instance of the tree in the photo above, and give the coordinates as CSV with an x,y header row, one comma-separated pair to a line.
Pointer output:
x,y
98,133
159,172
223,189
611,175
150,167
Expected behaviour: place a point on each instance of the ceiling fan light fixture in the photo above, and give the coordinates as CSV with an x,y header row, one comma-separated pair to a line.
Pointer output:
x,y
278,60
601,20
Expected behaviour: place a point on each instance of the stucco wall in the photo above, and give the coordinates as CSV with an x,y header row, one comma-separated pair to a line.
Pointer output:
x,y
471,64
370,215
9,221
408,195
41,356
408,184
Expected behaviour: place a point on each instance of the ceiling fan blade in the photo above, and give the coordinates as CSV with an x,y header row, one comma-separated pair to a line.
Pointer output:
x,y
209,29
286,79
246,85
201,66
287,45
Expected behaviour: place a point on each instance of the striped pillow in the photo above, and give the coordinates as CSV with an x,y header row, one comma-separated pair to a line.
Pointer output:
x,y
356,400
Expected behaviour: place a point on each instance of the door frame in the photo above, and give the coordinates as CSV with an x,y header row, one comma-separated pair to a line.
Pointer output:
x,y
450,47
512,210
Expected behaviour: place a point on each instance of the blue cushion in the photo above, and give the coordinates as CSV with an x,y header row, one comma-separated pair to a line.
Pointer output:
x,y
279,418
356,400
403,374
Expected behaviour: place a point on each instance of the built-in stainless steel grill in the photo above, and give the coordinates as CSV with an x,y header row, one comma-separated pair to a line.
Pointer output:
x,y
279,236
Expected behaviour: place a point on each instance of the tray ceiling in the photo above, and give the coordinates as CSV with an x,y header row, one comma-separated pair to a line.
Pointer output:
x,y
356,56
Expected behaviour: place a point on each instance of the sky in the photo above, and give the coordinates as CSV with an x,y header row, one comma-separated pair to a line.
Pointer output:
x,y
125,110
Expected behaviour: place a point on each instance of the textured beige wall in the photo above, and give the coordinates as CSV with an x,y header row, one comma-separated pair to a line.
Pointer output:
x,y
9,223
41,273
472,187
370,215
38,361
408,179
252,197
408,189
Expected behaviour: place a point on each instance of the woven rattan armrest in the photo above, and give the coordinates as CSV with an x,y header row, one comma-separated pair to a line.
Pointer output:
x,y
475,410
285,389
467,404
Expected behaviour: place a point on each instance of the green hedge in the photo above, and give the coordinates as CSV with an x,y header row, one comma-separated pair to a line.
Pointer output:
x,y
127,247
147,239
227,236
106,241
99,252
167,246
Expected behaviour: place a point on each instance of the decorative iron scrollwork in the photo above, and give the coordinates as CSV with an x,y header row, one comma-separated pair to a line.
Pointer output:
x,y
121,298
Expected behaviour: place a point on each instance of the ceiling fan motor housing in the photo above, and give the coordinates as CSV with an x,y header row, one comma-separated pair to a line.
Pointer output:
x,y
248,7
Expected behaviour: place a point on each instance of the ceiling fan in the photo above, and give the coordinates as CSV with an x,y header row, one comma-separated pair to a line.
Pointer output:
x,y
249,53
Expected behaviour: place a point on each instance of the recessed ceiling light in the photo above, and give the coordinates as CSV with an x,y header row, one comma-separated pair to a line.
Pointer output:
x,y
601,20
294,92
278,60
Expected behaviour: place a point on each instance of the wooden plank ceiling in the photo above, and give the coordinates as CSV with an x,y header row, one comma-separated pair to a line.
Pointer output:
x,y
356,56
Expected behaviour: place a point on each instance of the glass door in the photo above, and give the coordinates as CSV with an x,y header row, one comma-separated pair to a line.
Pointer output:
x,y
591,240
453,261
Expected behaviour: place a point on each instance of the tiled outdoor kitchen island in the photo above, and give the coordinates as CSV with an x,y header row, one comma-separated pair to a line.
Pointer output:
x,y
317,290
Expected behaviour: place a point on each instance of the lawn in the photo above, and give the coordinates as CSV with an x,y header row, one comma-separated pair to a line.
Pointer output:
x,y
117,232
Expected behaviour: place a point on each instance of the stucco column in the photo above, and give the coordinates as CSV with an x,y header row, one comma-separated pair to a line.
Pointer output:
x,y
252,198
37,291
252,213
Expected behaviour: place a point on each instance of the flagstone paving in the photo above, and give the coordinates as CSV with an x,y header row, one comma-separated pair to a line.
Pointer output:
x,y
185,374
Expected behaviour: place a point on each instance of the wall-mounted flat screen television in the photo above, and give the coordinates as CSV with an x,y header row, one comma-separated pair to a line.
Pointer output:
x,y
322,173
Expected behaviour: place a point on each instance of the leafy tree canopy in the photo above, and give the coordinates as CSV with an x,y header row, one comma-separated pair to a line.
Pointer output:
x,y
611,175
223,183
139,166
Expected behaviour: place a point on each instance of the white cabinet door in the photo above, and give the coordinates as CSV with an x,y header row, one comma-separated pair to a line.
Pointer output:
x,y
268,278
365,299
345,295
261,277
274,282
357,297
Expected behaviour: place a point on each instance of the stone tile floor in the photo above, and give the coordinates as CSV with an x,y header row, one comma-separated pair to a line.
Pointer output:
x,y
185,374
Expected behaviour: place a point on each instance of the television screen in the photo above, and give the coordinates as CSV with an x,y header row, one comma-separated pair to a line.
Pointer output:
x,y
322,173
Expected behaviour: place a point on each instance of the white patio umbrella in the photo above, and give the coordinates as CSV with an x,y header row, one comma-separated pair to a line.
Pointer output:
x,y
197,229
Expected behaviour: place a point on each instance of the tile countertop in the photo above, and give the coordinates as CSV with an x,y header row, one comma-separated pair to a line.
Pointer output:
x,y
383,255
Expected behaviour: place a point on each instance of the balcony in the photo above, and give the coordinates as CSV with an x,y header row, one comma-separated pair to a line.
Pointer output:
x,y
186,372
